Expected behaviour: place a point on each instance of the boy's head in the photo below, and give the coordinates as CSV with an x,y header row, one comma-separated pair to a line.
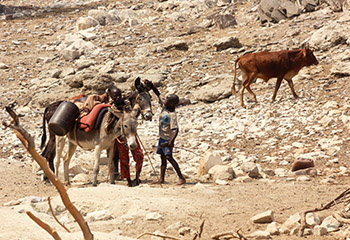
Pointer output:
x,y
171,101
114,93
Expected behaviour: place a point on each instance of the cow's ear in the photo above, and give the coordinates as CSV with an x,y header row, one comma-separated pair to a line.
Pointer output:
x,y
304,52
307,46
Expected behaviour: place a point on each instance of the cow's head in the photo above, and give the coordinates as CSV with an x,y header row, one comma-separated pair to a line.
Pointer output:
x,y
309,56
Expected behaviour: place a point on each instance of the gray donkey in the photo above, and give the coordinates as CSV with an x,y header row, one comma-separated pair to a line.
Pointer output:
x,y
98,140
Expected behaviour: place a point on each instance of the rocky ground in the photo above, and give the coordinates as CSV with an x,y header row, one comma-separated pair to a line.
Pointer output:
x,y
52,51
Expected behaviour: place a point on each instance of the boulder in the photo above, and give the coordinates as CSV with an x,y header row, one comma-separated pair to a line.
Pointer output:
x,y
221,172
85,23
214,91
227,42
265,217
302,164
208,160
277,10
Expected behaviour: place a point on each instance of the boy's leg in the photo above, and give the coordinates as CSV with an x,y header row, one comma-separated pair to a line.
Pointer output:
x,y
137,155
123,151
176,167
163,168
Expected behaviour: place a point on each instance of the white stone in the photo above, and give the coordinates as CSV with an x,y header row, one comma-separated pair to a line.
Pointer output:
x,y
153,216
273,228
99,216
312,219
221,172
260,235
330,223
208,160
265,217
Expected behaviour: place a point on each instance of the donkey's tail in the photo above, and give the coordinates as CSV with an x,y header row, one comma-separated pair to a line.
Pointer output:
x,y
43,137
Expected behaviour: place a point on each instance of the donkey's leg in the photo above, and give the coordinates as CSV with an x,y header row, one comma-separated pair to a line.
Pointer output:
x,y
66,160
115,160
60,142
97,164
110,152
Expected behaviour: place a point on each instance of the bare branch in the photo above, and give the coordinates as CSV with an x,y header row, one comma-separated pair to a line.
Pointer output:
x,y
157,235
341,219
54,216
343,197
45,226
28,142
229,234
201,229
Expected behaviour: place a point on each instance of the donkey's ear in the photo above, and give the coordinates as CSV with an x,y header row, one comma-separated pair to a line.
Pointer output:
x,y
137,82
139,85
127,108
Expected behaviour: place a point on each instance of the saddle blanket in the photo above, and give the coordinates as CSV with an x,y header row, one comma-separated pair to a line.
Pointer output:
x,y
87,122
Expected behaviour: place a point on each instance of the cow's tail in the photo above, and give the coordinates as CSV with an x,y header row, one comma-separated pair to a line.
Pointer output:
x,y
43,137
234,78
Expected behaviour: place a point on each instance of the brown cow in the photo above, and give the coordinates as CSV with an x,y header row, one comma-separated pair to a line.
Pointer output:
x,y
284,64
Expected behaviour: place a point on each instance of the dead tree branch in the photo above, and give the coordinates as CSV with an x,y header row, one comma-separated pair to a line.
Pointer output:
x,y
54,216
45,226
343,197
28,142
157,235
341,219
229,234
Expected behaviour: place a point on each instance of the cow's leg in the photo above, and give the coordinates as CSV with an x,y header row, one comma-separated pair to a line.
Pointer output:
x,y
60,142
291,85
252,77
278,84
246,84
97,164
241,90
66,161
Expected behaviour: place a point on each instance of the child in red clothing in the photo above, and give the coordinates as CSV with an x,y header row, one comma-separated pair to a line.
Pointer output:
x,y
137,154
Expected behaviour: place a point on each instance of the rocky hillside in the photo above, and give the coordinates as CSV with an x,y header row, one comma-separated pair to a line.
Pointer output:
x,y
55,50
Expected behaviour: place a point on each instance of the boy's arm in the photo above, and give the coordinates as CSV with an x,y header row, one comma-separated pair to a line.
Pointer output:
x,y
172,140
170,143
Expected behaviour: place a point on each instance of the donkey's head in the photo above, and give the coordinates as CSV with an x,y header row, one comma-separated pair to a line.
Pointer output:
x,y
126,128
141,100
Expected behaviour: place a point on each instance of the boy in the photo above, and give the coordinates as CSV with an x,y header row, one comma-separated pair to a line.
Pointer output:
x,y
168,130
121,149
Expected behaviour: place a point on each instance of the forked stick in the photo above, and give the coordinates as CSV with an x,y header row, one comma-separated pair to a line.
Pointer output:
x,y
54,216
45,226
28,143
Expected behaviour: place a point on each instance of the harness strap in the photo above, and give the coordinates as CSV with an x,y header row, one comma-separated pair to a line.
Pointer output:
x,y
75,130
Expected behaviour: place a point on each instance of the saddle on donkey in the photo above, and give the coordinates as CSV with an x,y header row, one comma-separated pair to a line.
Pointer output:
x,y
86,111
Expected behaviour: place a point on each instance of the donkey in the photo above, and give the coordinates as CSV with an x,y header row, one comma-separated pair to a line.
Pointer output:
x,y
140,100
98,139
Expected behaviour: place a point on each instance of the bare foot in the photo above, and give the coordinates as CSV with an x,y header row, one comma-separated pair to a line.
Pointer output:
x,y
181,182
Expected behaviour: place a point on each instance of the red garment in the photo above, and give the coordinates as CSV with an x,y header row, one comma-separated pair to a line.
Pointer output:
x,y
124,159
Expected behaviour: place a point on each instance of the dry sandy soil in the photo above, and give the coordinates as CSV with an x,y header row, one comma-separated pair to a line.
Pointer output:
x,y
228,208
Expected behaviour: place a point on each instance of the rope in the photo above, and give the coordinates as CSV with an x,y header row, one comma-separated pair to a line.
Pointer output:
x,y
186,149
149,159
